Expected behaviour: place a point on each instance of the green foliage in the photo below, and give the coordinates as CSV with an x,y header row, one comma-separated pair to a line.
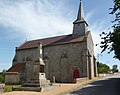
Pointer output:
x,y
8,88
114,68
102,68
115,39
116,11
111,40
2,77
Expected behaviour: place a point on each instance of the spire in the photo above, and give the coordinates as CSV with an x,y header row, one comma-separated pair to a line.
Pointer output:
x,y
80,12
80,16
80,25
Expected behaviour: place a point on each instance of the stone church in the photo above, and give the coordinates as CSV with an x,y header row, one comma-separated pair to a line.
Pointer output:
x,y
64,58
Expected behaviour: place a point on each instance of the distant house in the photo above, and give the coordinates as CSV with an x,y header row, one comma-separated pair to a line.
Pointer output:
x,y
65,57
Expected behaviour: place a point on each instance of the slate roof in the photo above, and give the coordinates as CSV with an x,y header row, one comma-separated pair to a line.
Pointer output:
x,y
51,41
16,68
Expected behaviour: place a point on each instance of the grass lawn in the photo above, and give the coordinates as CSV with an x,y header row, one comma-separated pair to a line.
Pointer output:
x,y
8,88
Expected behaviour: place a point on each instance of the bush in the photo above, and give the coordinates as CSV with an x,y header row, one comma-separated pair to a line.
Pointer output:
x,y
102,68
2,77
8,88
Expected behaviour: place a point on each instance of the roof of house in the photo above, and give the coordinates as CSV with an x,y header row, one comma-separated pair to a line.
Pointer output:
x,y
16,68
51,41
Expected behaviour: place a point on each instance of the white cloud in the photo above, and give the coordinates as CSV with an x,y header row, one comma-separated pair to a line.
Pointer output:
x,y
34,19
97,26
96,30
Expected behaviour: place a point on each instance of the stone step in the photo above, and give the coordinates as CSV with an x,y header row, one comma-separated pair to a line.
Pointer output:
x,y
37,89
34,84
45,82
30,85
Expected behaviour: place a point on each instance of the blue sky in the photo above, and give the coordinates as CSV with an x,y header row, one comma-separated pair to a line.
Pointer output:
x,y
22,20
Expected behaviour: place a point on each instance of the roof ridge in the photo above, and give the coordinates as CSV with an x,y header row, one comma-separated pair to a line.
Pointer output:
x,y
62,39
48,38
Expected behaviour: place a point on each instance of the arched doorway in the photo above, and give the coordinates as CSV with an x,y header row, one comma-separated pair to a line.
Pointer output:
x,y
76,74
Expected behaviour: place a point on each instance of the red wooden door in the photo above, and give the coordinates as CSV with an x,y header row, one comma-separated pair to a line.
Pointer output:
x,y
76,74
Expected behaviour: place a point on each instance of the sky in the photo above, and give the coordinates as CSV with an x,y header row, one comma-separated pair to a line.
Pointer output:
x,y
22,20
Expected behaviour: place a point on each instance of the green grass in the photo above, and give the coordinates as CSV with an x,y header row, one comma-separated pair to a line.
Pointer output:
x,y
8,88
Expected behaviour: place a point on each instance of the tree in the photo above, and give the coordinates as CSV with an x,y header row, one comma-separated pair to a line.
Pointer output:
x,y
2,76
114,68
102,68
111,40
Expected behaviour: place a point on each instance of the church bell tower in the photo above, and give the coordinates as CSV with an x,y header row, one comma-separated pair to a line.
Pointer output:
x,y
80,25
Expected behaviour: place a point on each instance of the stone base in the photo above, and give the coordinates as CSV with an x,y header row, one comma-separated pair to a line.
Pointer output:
x,y
35,84
37,89
80,80
30,85
44,82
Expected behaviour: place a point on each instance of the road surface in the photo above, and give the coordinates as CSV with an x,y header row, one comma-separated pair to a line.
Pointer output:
x,y
109,85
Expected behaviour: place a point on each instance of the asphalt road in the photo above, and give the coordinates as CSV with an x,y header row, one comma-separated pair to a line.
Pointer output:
x,y
109,85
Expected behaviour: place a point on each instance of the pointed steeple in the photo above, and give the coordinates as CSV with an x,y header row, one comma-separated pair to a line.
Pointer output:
x,y
80,25
80,12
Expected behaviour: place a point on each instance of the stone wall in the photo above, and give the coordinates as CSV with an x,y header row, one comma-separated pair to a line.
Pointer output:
x,y
26,55
81,80
63,59
31,58
79,29
12,78
90,47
